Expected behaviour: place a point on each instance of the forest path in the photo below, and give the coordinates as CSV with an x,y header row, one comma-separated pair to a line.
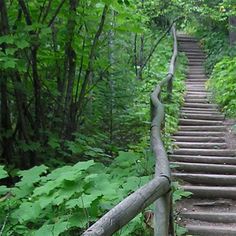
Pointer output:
x,y
206,166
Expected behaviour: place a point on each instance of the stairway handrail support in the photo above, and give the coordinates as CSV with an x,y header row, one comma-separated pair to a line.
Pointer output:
x,y
158,189
162,213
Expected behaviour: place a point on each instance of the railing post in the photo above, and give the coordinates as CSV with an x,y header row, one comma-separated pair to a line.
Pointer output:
x,y
170,88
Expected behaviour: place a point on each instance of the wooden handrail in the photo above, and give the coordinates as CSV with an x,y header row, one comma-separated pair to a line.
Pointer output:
x,y
158,189
162,168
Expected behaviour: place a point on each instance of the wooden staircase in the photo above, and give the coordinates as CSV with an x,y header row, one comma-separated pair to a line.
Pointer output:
x,y
204,164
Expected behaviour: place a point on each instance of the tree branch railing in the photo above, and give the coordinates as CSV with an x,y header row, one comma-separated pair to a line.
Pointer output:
x,y
158,190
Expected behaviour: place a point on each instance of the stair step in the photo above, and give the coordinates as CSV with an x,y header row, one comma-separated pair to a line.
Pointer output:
x,y
205,167
199,139
211,230
199,62
200,112
186,39
187,50
202,116
199,122
195,58
197,100
204,110
196,80
211,191
200,105
195,83
190,48
204,159
201,145
205,152
202,128
208,179
198,93
196,96
200,133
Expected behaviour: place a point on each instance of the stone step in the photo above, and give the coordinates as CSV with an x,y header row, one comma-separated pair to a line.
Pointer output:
x,y
201,133
200,88
196,53
189,45
200,145
197,100
194,87
196,74
200,105
201,112
196,71
209,216
202,128
197,57
199,139
186,39
197,80
196,63
195,83
199,122
196,67
203,159
191,50
198,93
204,168
197,96
205,152
211,230
211,192
207,179
202,116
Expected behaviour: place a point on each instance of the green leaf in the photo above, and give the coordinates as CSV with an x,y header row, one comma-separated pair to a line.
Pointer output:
x,y
21,44
3,190
3,173
32,175
9,64
27,212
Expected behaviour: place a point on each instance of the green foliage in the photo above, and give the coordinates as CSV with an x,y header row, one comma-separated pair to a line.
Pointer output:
x,y
90,138
223,84
70,197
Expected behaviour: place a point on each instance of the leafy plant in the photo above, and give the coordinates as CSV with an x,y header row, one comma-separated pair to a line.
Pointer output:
x,y
222,84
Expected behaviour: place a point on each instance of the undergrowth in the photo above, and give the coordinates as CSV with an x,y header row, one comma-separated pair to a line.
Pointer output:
x,y
66,200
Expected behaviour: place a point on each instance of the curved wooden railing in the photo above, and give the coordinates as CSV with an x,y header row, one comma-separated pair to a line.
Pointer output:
x,y
159,188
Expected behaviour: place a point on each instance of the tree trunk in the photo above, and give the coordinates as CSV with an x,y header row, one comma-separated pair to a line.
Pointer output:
x,y
6,128
70,69
80,102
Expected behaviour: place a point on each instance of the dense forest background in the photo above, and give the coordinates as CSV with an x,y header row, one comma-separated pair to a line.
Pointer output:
x,y
75,79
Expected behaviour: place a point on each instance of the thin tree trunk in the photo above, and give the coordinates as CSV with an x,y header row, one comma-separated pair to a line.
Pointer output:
x,y
6,127
35,75
111,79
82,94
135,55
71,69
